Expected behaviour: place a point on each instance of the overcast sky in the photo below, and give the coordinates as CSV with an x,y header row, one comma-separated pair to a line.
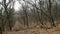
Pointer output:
x,y
17,6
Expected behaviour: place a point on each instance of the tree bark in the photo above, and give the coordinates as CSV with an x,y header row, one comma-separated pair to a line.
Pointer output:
x,y
51,17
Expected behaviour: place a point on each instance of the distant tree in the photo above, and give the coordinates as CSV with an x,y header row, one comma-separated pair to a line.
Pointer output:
x,y
51,17
1,24
25,13
8,12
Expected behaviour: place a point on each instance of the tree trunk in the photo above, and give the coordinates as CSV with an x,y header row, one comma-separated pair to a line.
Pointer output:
x,y
51,17
0,30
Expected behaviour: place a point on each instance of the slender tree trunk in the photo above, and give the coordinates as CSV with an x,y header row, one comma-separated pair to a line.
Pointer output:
x,y
24,20
51,17
10,25
56,11
38,17
26,14
1,22
41,12
0,30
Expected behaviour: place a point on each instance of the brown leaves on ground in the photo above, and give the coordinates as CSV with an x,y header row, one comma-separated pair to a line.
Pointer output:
x,y
36,30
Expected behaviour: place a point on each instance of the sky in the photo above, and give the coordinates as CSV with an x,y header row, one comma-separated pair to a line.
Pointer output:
x,y
18,6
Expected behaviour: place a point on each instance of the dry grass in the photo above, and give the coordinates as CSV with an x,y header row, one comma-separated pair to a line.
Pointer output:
x,y
35,30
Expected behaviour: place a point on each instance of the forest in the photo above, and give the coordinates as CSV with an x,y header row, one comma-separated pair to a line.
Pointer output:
x,y
16,15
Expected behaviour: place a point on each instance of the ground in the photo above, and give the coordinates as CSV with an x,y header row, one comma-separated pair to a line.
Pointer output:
x,y
36,30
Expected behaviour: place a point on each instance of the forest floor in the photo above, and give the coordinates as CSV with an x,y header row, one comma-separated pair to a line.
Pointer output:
x,y
36,30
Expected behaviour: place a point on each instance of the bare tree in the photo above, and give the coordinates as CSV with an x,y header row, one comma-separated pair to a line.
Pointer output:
x,y
8,12
25,14
51,17
1,24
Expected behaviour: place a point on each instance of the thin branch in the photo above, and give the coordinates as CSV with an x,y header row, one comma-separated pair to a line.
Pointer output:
x,y
39,9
